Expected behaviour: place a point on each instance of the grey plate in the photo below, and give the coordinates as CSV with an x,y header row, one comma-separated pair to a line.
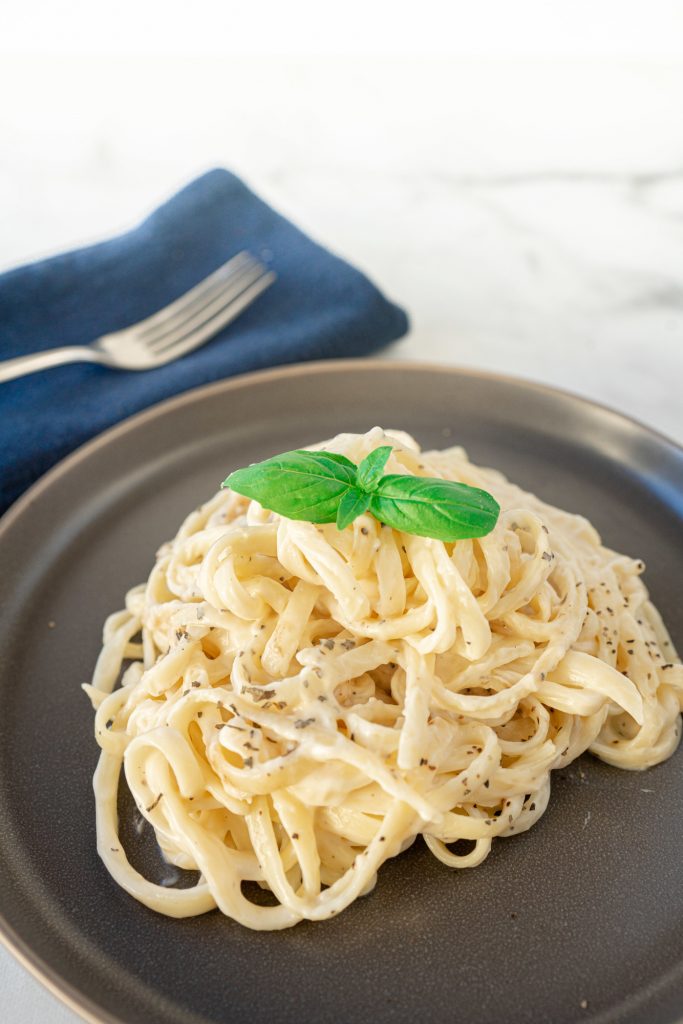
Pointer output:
x,y
588,905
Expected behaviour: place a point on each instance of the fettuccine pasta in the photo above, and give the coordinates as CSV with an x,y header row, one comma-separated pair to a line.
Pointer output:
x,y
300,702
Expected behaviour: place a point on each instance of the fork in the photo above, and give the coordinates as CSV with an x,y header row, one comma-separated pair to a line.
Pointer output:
x,y
178,328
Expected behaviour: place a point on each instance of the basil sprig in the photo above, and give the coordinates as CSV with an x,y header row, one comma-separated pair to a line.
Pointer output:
x,y
323,487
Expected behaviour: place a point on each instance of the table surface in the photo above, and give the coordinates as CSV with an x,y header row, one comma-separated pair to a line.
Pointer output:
x,y
528,214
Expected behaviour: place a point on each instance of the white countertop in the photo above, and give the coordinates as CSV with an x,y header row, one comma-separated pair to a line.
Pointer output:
x,y
528,214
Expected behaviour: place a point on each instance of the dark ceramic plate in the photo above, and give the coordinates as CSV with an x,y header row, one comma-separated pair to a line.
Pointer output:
x,y
580,919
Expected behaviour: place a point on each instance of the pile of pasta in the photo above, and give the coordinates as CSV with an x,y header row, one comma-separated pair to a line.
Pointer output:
x,y
293,705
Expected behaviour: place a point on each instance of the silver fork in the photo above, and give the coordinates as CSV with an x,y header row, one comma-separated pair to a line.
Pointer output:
x,y
176,329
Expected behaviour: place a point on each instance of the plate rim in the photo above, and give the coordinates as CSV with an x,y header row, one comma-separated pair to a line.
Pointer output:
x,y
313,368
37,967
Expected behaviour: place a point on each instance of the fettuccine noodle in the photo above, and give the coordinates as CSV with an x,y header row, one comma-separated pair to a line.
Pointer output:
x,y
302,702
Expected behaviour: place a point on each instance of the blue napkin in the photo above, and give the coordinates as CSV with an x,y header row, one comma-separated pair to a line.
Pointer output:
x,y
319,307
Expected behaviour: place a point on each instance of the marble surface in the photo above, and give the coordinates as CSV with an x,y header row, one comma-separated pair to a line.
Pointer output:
x,y
528,213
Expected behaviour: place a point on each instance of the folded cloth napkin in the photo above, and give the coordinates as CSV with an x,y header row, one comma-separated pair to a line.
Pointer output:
x,y
319,307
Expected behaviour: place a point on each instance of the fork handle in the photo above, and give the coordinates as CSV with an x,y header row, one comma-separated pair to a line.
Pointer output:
x,y
11,368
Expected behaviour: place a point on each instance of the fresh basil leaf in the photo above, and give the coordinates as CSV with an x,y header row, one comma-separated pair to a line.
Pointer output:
x,y
435,508
353,504
371,468
299,485
324,487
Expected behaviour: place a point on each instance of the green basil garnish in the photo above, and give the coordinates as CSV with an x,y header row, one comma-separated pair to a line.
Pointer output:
x,y
298,485
371,469
323,487
353,504
435,508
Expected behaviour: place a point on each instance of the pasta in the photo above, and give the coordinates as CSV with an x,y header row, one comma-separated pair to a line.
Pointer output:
x,y
298,703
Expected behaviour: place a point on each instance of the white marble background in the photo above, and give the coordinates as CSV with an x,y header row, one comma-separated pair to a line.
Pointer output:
x,y
519,189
